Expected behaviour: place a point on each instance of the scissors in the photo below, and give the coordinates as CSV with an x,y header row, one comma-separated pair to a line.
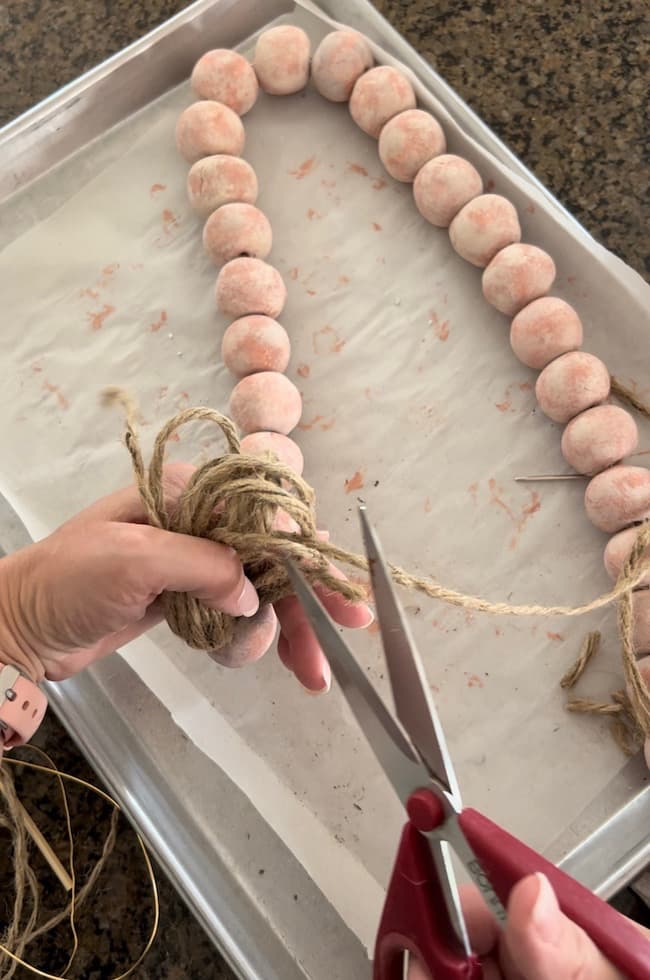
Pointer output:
x,y
422,914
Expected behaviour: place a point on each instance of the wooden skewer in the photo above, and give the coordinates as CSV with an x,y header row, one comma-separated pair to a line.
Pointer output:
x,y
45,849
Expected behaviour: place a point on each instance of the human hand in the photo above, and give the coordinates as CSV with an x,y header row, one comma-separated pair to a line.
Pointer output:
x,y
538,943
95,584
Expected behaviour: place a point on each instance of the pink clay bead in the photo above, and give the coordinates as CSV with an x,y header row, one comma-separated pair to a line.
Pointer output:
x,y
570,384
207,128
377,96
618,550
443,186
237,229
543,330
227,77
260,443
598,438
408,141
255,343
618,497
266,401
252,639
641,621
517,275
339,60
483,227
250,286
281,60
218,180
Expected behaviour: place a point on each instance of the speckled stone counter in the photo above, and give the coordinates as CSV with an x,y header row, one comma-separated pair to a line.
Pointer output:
x,y
563,83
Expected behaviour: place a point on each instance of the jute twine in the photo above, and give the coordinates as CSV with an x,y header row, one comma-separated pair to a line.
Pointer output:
x,y
24,927
234,499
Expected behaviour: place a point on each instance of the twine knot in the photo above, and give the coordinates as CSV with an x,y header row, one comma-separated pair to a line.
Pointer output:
x,y
234,499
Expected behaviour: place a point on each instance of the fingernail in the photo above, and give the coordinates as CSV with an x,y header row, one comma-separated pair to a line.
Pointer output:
x,y
248,601
371,618
546,914
325,684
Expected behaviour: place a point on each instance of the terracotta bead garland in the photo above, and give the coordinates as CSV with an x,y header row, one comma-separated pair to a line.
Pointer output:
x,y
225,76
546,333
377,96
408,141
207,128
339,60
250,286
443,186
255,343
516,276
281,60
484,226
220,179
570,384
235,230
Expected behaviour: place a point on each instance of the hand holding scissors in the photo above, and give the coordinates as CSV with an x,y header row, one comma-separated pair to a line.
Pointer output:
x,y
422,913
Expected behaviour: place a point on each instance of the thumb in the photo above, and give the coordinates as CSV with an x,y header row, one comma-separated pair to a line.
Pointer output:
x,y
541,943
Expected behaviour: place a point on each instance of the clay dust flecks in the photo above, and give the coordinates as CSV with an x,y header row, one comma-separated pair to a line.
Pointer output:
x,y
519,520
327,341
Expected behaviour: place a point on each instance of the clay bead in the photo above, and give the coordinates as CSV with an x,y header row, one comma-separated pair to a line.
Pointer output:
x,y
570,384
252,638
641,621
618,550
260,443
218,180
266,401
517,275
339,60
255,343
483,227
598,438
208,128
247,286
618,497
408,141
543,330
237,229
281,60
443,186
377,96
227,77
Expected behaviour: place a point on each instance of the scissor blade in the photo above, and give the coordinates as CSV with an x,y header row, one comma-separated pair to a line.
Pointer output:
x,y
413,702
402,767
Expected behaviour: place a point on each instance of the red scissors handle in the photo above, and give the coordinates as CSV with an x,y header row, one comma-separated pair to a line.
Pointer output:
x,y
505,860
415,919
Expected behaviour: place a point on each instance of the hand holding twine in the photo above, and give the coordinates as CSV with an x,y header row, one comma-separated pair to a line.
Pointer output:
x,y
235,498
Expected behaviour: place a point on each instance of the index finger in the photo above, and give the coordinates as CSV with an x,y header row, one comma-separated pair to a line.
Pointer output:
x,y
126,504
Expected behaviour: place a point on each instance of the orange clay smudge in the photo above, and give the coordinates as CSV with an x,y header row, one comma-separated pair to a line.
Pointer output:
x,y
55,390
98,317
155,327
304,169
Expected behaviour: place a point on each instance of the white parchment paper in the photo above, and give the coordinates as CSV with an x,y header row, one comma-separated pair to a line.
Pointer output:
x,y
413,402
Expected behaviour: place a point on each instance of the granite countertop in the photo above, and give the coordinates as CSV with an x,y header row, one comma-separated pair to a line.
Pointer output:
x,y
560,81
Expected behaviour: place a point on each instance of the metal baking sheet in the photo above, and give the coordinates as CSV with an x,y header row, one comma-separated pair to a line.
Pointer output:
x,y
261,928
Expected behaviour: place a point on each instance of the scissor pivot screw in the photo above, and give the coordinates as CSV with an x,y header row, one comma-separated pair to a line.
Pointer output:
x,y
425,810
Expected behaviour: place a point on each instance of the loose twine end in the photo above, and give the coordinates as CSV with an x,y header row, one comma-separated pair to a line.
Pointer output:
x,y
235,498
623,726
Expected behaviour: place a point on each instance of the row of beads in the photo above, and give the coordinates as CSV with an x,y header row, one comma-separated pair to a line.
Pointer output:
x,y
545,333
